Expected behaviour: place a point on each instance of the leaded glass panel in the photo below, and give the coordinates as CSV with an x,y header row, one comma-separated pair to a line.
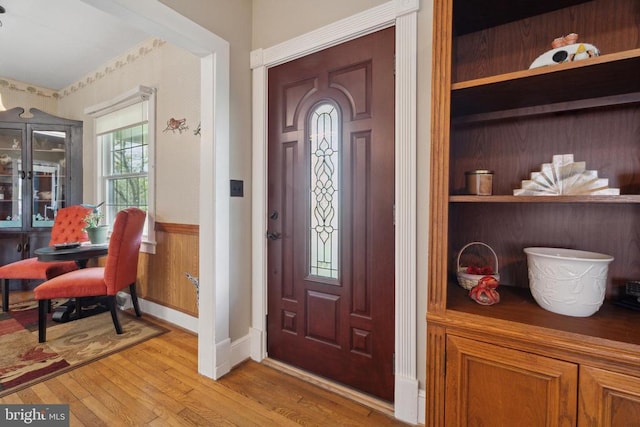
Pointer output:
x,y
324,137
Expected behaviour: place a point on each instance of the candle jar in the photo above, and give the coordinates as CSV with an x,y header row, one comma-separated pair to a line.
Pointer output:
x,y
479,182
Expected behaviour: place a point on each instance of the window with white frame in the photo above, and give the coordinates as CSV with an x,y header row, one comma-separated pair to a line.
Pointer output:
x,y
124,156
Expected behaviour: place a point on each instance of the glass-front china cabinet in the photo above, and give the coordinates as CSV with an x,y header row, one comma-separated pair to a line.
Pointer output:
x,y
40,172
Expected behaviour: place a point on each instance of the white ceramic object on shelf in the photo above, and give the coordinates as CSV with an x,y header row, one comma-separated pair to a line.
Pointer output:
x,y
568,281
564,177
569,53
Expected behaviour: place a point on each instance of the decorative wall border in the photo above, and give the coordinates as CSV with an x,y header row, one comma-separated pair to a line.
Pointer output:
x,y
19,86
127,58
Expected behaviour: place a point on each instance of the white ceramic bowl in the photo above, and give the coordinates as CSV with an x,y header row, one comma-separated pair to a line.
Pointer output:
x,y
568,281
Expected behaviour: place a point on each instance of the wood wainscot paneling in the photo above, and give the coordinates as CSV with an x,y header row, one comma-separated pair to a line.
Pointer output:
x,y
162,276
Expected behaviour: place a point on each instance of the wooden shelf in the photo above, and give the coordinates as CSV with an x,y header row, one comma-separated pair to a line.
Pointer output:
x,y
476,15
551,86
625,198
517,305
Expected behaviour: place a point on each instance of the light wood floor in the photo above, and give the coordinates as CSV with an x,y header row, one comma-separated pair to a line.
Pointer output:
x,y
156,384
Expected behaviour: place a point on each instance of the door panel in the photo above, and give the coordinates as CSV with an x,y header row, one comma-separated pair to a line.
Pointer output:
x,y
489,385
608,399
331,194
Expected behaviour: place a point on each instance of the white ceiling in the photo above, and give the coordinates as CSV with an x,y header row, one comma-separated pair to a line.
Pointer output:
x,y
53,43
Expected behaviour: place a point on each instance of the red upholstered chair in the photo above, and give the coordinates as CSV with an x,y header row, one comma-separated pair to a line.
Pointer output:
x,y
67,227
120,271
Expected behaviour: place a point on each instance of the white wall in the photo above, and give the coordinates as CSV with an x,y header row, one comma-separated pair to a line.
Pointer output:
x,y
273,23
231,20
175,74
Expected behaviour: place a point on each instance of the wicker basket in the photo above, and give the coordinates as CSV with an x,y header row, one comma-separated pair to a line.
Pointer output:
x,y
469,281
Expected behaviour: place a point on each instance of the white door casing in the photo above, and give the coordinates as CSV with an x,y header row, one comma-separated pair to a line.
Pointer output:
x,y
403,15
157,19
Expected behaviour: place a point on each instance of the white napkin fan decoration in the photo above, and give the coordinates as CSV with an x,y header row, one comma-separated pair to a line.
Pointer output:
x,y
564,177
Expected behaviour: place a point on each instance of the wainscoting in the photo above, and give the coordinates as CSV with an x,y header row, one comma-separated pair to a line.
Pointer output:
x,y
161,276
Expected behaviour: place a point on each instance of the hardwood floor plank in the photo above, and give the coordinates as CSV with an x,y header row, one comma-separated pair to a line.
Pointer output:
x,y
75,421
29,396
11,399
45,394
209,396
75,388
309,398
125,401
85,416
197,419
106,403
156,383
152,373
150,376
141,392
102,412
169,420
60,390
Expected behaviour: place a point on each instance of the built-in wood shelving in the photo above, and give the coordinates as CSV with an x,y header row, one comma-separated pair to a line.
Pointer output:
x,y
558,87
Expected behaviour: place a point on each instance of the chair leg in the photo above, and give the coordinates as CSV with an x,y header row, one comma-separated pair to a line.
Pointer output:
x,y
134,299
111,300
43,305
78,306
5,294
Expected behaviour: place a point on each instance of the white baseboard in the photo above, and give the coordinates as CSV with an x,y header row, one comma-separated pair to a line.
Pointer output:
x,y
422,405
406,399
170,315
240,348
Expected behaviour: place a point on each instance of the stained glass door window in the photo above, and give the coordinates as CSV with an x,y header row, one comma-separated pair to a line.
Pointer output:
x,y
324,138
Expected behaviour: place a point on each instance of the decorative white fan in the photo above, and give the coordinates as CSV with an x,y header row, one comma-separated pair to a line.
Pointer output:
x,y
565,177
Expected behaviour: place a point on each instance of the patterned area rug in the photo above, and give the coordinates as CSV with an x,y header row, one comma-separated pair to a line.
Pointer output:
x,y
24,361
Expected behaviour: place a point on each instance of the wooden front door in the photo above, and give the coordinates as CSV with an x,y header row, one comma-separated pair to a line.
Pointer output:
x,y
331,201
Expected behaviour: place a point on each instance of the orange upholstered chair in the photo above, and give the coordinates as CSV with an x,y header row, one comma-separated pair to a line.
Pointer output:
x,y
120,271
67,227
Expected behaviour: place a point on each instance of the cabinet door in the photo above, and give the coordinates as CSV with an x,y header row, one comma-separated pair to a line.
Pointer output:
x,y
608,399
489,385
11,175
11,247
47,172
35,240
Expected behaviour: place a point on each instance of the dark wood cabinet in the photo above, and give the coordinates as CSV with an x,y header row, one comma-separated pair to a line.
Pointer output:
x,y
490,111
40,172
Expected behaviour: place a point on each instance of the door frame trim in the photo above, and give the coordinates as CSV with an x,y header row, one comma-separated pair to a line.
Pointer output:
x,y
403,15
214,343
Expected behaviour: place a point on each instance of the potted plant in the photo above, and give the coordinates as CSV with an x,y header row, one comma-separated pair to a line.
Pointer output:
x,y
96,232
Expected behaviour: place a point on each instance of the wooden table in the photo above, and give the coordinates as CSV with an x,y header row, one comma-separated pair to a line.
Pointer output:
x,y
72,309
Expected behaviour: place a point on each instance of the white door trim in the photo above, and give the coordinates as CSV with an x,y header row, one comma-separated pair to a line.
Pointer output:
x,y
157,19
403,15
